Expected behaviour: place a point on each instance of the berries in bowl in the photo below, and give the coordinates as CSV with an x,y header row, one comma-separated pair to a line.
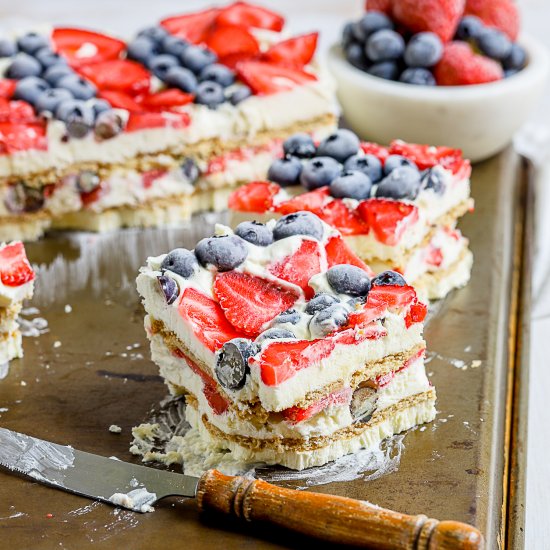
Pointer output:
x,y
439,71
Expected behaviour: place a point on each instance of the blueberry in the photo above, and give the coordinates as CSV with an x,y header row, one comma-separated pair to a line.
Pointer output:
x,y
50,99
300,145
161,64
348,279
216,72
190,170
516,60
31,42
352,185
53,74
232,362
22,198
328,320
389,278
395,161
347,35
100,106
384,45
494,43
368,164
239,93
142,49
424,49
156,34
196,58
181,262
169,288
290,316
358,32
340,145
78,86
319,171
23,65
355,54
87,181
298,223
469,28
47,58
320,301
402,183
225,252
285,171
182,78
275,334
388,70
374,21
418,77
173,45
510,72
77,116
255,232
7,47
209,94
108,124
432,179
29,89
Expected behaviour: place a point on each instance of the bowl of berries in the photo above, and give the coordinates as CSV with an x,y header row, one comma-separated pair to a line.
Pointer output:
x,y
439,71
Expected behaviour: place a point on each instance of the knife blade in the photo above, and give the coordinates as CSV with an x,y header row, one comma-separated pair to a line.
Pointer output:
x,y
340,520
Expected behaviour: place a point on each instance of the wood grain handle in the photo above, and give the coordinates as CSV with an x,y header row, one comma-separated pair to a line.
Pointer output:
x,y
332,518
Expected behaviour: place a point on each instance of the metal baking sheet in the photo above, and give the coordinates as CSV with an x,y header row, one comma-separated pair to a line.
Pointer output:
x,y
90,368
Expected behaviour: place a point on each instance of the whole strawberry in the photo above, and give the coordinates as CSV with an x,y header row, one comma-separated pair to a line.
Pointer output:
x,y
502,14
438,16
385,6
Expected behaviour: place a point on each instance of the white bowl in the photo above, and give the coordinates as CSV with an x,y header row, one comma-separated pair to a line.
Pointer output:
x,y
479,119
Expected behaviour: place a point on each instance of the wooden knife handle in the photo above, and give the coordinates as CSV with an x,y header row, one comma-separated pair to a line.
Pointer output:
x,y
337,519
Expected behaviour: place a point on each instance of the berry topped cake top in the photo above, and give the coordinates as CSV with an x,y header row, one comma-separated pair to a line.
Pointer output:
x,y
83,78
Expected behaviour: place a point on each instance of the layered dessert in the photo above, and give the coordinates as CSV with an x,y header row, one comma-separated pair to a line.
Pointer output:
x,y
16,285
98,133
397,207
287,348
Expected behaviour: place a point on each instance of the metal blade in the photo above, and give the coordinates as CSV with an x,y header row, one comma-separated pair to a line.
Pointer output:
x,y
106,479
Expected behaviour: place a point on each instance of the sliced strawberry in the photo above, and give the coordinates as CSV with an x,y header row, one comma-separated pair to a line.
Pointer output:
x,y
246,15
312,202
151,175
295,52
120,100
16,111
378,151
192,26
297,414
265,79
300,266
426,156
7,87
434,256
338,252
416,314
207,319
89,197
255,197
165,100
385,379
15,269
249,302
388,219
391,296
337,214
81,47
120,75
22,136
143,121
231,40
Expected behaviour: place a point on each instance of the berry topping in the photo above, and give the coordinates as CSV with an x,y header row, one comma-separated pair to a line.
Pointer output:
x,y
418,77
196,58
256,197
16,111
353,185
165,100
140,121
48,58
402,183
239,93
423,50
15,269
319,171
285,171
255,232
494,44
23,65
142,49
77,116
328,320
391,296
53,74
169,288
385,45
501,14
108,124
300,145
32,42
340,145
368,164
49,100
432,179
120,75
209,94
250,302
275,334
7,87
248,15
218,73
395,161
298,223
290,316
320,301
180,261
265,79
231,40
20,137
79,87
30,88
191,26
312,202
337,214
348,279
338,252
173,45
224,252
232,362
156,34
388,278
161,64
296,52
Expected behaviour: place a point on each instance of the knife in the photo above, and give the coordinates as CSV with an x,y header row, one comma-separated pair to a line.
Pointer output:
x,y
332,518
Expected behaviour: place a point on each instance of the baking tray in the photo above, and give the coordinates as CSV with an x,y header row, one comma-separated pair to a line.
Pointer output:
x,y
90,368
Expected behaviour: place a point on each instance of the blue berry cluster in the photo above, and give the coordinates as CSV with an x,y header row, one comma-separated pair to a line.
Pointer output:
x,y
338,163
190,68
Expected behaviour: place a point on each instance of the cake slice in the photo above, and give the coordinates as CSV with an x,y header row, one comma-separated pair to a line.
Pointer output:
x,y
396,207
286,348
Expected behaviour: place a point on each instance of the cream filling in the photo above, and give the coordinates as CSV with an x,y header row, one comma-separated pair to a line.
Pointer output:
x,y
10,346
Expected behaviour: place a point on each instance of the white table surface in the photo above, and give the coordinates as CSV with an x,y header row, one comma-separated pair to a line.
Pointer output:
x,y
329,16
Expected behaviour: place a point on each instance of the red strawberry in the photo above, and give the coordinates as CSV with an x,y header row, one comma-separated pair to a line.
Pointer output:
x,y
378,151
143,121
300,266
297,414
151,175
232,40
337,214
295,52
255,197
265,79
120,100
7,87
416,314
460,66
388,219
249,302
385,6
391,296
439,16
191,26
502,14
120,75
207,319
22,136
312,202
246,15
385,379
338,252
16,111
434,256
89,197
15,269
81,47
164,100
